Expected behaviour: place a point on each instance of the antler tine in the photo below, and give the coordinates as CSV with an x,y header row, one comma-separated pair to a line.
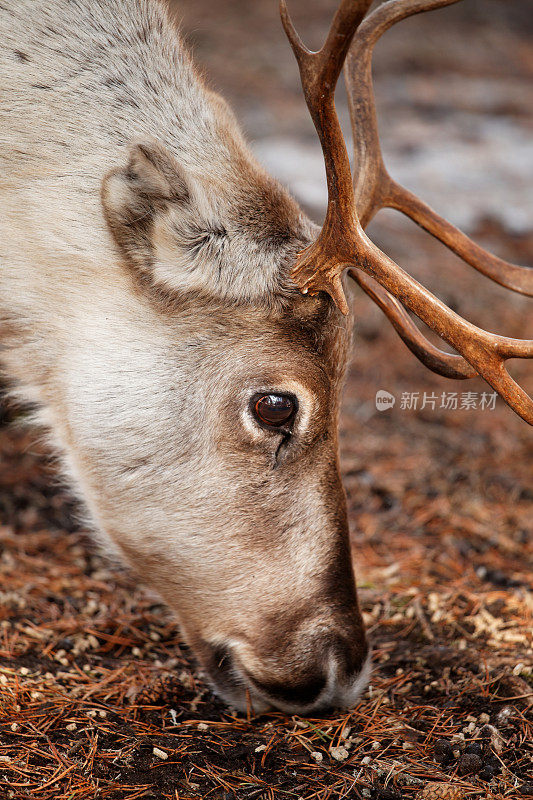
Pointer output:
x,y
319,72
449,365
511,276
486,352
374,188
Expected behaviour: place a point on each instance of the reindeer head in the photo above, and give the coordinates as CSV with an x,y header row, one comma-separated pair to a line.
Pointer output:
x,y
225,491
223,488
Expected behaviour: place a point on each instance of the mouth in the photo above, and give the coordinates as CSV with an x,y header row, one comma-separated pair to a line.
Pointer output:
x,y
240,690
229,683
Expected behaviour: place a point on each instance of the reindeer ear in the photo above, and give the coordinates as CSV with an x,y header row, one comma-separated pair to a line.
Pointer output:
x,y
184,233
135,194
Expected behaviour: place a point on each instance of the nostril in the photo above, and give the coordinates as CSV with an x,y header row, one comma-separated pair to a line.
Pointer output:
x,y
329,670
299,693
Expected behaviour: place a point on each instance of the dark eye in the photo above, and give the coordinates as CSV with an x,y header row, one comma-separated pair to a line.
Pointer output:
x,y
274,410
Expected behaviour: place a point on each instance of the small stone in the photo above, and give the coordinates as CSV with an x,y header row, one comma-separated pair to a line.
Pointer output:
x,y
484,718
136,652
494,736
5,759
366,761
14,726
503,716
339,753
261,748
202,726
469,764
24,671
376,746
317,756
160,754
71,726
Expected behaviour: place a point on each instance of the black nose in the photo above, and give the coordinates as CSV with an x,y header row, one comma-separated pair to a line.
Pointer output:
x,y
303,693
326,663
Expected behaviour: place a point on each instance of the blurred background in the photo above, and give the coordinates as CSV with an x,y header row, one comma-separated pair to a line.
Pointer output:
x,y
454,90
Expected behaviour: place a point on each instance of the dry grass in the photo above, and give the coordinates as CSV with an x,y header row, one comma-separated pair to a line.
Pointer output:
x,y
98,698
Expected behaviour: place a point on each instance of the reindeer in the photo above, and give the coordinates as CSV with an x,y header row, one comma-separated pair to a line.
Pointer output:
x,y
183,330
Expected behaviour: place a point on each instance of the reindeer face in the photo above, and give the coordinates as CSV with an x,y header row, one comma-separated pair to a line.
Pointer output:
x,y
237,512
223,488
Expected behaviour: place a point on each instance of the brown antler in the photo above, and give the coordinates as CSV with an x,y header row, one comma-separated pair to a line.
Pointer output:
x,y
342,242
448,365
374,188
319,73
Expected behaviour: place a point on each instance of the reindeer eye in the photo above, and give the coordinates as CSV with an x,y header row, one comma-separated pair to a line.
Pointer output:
x,y
274,410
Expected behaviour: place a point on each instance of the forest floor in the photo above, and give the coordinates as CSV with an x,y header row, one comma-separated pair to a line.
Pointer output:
x,y
100,699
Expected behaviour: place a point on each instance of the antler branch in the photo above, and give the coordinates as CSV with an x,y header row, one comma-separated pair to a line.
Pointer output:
x,y
319,73
449,365
374,188
485,352
342,241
